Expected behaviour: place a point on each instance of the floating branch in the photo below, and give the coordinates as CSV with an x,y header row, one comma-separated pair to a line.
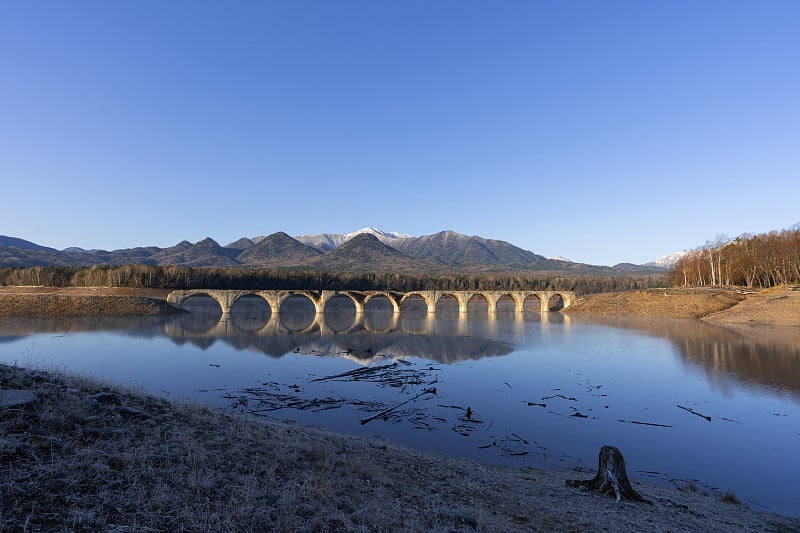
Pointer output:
x,y
560,396
644,423
694,412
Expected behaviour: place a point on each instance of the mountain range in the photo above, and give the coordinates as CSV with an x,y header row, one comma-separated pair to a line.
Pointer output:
x,y
365,250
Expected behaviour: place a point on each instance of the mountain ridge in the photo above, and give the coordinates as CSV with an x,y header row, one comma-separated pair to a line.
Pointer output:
x,y
365,250
328,241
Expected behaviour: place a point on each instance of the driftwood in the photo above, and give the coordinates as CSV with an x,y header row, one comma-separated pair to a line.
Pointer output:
x,y
611,477
644,423
695,412
356,372
390,409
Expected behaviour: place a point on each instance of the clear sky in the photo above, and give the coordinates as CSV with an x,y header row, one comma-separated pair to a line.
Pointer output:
x,y
604,132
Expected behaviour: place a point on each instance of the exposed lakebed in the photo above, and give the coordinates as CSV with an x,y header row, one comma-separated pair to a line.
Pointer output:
x,y
687,403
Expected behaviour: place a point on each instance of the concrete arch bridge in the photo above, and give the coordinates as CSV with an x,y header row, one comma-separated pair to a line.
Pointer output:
x,y
228,298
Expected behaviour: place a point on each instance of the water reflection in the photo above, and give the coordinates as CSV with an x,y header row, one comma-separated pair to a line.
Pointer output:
x,y
767,357
753,356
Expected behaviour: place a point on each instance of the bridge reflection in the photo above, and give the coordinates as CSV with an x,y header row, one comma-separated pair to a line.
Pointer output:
x,y
363,336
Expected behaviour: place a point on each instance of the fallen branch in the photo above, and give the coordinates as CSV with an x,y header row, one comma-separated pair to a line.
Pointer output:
x,y
695,412
356,372
570,398
644,423
390,409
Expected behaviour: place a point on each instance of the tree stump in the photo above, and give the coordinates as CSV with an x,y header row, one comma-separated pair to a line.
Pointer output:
x,y
611,477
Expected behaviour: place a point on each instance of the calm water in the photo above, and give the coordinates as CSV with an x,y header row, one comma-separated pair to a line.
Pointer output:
x,y
533,390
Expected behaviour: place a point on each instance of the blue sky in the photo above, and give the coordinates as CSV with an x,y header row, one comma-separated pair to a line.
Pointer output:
x,y
604,132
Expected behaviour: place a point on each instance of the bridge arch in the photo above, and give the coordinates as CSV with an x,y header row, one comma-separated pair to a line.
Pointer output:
x,y
354,297
534,302
382,295
297,311
426,297
515,299
182,296
480,299
336,319
250,312
451,296
555,302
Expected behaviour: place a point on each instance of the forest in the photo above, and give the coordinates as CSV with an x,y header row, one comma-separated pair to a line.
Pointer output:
x,y
755,261
172,277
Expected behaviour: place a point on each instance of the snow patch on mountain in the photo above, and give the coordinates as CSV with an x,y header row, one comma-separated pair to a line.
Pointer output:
x,y
559,258
329,241
667,261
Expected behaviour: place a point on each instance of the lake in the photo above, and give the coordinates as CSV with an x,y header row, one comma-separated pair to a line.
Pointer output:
x,y
687,403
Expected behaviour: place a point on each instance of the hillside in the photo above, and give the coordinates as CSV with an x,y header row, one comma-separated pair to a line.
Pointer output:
x,y
6,241
204,253
278,249
455,249
366,253
365,250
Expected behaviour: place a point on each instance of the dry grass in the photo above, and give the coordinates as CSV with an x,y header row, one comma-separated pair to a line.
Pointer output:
x,y
730,497
58,304
86,457
89,458
776,307
658,303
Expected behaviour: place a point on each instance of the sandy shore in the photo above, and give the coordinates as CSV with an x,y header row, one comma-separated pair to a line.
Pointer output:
x,y
87,457
778,307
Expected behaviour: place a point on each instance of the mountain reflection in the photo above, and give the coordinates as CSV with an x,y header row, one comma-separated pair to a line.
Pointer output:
x,y
759,356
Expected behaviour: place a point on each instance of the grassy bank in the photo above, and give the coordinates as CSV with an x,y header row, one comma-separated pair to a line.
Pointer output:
x,y
658,303
81,305
728,306
88,457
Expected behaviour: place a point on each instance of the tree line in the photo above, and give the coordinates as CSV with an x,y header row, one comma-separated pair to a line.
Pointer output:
x,y
756,261
173,277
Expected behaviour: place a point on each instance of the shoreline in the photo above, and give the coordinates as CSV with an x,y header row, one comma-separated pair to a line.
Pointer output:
x,y
724,306
83,451
86,455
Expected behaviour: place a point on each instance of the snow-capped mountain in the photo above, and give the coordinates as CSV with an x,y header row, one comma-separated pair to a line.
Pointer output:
x,y
328,241
559,258
667,261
